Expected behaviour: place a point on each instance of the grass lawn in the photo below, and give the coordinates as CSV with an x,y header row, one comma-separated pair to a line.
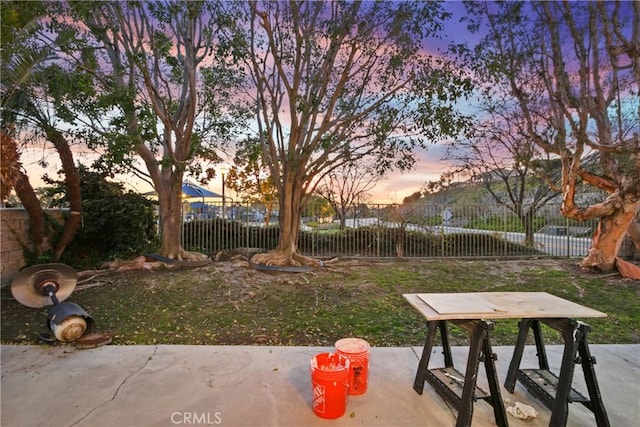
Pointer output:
x,y
230,303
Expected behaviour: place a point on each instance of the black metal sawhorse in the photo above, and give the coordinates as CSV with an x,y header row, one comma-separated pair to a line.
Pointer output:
x,y
556,392
457,389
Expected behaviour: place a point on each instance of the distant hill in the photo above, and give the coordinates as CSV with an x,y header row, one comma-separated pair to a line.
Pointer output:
x,y
463,193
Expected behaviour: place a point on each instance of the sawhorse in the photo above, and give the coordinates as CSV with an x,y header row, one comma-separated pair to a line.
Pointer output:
x,y
556,392
457,389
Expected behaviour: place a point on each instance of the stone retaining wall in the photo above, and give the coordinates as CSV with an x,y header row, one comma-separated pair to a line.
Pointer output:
x,y
14,237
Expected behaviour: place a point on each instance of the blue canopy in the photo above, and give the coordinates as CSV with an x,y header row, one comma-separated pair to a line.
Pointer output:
x,y
192,190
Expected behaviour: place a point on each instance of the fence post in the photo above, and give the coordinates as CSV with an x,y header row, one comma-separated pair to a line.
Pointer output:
x,y
568,238
442,233
378,232
506,227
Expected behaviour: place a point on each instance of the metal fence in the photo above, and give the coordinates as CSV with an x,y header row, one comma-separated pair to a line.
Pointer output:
x,y
390,231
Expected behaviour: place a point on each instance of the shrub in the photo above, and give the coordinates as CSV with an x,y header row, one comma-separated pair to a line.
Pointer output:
x,y
116,224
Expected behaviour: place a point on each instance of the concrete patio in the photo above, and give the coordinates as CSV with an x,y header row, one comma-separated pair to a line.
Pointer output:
x,y
266,386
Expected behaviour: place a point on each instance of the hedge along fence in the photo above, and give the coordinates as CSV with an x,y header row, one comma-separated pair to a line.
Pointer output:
x,y
383,231
212,236
382,242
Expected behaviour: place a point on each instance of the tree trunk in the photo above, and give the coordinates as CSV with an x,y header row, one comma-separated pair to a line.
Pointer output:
x,y
527,222
609,237
31,204
634,234
12,176
267,217
171,220
10,165
72,187
342,215
170,197
289,219
399,238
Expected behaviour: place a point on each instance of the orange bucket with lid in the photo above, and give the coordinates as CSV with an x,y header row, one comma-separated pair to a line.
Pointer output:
x,y
357,351
329,382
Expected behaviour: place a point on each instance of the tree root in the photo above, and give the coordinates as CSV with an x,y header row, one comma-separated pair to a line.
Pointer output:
x,y
595,261
192,256
628,269
154,261
139,263
279,258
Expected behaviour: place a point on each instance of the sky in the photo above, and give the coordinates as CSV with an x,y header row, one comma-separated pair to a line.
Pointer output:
x,y
392,189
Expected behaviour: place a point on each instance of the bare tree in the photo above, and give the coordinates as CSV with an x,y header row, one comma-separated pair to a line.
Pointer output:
x,y
410,212
347,186
509,165
585,56
338,82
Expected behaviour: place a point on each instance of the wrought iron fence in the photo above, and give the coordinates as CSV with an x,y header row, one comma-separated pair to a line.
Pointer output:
x,y
390,231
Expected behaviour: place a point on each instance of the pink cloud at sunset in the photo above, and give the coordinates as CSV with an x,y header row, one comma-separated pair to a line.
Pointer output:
x,y
400,184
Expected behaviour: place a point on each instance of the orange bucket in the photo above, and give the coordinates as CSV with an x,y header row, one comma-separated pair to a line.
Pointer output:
x,y
357,351
329,381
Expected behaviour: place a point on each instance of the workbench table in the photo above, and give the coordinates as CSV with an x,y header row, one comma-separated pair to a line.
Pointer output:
x,y
474,312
